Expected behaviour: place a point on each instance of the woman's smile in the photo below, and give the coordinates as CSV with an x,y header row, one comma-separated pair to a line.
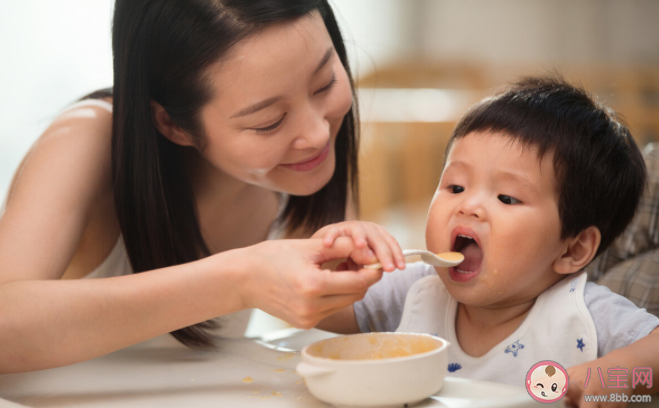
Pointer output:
x,y
312,162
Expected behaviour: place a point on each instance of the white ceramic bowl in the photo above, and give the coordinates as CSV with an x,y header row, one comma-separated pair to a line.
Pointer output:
x,y
375,369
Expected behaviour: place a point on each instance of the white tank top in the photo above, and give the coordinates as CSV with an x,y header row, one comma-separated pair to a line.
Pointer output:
x,y
117,263
558,327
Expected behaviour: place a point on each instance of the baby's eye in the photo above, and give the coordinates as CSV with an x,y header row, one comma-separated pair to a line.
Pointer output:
x,y
456,189
554,387
507,199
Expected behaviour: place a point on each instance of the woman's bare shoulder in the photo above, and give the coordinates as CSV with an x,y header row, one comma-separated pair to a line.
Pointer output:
x,y
81,136
63,177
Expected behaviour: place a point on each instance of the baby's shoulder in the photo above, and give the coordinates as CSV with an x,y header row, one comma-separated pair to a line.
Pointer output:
x,y
599,298
618,321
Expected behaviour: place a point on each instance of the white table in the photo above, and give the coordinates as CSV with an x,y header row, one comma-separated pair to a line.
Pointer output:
x,y
161,373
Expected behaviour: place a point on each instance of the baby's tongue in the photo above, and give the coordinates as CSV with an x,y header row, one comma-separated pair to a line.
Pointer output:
x,y
473,257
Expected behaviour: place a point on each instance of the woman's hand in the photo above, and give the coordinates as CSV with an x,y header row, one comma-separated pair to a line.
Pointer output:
x,y
372,243
285,279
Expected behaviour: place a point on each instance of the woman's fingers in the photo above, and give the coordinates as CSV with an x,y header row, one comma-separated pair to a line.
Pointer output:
x,y
396,250
348,282
363,256
354,230
371,242
329,236
358,234
382,250
341,248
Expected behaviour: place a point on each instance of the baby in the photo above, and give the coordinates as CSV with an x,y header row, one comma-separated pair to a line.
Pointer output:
x,y
538,180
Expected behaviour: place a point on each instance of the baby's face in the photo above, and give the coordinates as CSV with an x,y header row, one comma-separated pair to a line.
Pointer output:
x,y
498,205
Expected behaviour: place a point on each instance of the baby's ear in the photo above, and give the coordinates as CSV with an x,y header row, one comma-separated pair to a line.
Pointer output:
x,y
579,251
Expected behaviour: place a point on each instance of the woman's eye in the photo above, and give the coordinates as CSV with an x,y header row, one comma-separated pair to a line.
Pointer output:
x,y
328,86
269,128
456,189
554,387
508,199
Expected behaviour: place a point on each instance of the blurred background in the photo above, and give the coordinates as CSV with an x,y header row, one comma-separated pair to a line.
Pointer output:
x,y
419,64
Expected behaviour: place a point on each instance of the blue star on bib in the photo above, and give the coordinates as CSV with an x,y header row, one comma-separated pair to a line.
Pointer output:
x,y
514,348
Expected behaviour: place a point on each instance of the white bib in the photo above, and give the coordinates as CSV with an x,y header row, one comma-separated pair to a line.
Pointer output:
x,y
558,327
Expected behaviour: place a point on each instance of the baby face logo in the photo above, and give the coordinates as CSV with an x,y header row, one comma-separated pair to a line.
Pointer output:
x,y
547,381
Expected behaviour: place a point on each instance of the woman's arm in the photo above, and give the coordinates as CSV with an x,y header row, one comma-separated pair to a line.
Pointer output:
x,y
48,323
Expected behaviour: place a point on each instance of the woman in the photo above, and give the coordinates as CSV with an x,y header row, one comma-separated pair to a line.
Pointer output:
x,y
231,121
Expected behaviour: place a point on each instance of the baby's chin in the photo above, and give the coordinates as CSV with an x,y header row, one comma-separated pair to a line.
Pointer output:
x,y
482,292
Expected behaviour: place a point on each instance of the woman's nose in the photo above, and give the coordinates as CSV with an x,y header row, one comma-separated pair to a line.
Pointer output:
x,y
314,131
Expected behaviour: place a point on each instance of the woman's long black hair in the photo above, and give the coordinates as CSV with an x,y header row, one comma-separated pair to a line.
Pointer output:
x,y
161,49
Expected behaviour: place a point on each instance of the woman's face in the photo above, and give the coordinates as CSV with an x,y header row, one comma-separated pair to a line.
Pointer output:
x,y
279,100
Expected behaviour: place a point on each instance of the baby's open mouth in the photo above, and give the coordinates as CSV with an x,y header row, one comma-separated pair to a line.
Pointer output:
x,y
473,254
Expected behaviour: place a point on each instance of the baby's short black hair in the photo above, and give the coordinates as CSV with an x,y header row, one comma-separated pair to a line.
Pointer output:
x,y
599,168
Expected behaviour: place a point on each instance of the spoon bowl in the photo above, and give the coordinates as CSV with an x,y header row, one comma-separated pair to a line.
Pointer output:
x,y
444,259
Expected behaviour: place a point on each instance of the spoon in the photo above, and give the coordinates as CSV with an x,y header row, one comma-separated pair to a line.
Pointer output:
x,y
444,259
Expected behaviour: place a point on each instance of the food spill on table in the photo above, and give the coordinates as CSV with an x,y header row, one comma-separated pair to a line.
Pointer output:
x,y
248,379
286,357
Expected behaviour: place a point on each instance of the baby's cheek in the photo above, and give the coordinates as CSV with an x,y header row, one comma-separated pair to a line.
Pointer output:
x,y
501,269
437,237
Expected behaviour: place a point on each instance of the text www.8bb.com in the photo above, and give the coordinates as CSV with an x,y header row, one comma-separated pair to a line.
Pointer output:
x,y
613,397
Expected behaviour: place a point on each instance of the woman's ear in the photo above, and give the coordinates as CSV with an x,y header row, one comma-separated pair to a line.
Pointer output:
x,y
579,252
167,127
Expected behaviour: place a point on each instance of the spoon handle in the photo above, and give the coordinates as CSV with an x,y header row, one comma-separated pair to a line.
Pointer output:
x,y
426,256
406,253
